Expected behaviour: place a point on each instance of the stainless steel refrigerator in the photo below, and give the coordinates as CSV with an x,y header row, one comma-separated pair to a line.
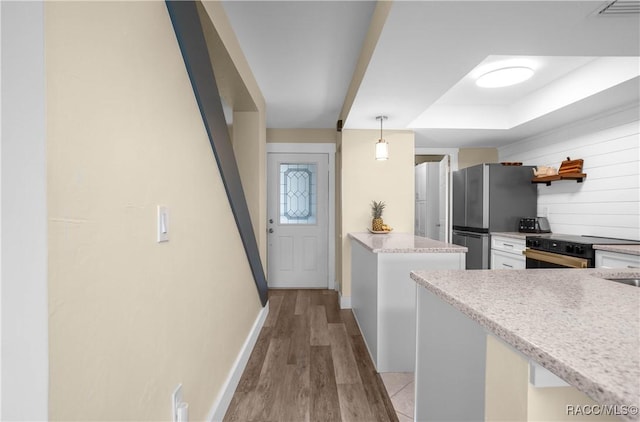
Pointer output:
x,y
489,198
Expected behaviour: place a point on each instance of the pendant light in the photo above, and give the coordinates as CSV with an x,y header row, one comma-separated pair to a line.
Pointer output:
x,y
382,148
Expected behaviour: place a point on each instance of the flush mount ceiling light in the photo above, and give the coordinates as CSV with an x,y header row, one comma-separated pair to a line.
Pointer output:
x,y
382,148
505,76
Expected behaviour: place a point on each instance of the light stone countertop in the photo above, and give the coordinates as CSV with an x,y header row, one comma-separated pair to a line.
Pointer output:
x,y
513,235
584,329
404,243
628,249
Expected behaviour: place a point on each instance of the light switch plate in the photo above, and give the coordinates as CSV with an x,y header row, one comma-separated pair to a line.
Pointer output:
x,y
163,224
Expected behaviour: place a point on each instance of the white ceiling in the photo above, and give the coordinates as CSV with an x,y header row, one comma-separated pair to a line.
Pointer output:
x,y
303,55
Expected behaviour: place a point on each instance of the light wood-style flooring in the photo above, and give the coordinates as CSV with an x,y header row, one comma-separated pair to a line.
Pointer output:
x,y
310,363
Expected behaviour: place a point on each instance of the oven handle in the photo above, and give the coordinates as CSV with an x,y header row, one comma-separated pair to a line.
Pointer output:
x,y
554,258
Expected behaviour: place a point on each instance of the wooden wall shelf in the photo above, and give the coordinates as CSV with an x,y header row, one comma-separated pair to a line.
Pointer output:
x,y
578,177
569,170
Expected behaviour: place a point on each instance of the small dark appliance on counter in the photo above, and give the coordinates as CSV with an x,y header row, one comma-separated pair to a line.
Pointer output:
x,y
534,225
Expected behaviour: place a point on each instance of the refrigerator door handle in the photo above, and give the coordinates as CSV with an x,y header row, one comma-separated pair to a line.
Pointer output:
x,y
470,234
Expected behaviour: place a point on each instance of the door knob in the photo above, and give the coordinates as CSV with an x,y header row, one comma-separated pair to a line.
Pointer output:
x,y
270,230
271,221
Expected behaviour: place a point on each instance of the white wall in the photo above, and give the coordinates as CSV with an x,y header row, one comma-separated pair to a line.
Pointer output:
x,y
607,203
24,228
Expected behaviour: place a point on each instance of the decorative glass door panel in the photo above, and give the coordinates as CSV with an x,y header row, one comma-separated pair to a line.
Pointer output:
x,y
298,193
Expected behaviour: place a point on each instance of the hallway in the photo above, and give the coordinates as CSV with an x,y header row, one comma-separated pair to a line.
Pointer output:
x,y
310,363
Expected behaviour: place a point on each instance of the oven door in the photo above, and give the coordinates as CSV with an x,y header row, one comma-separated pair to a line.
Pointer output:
x,y
542,259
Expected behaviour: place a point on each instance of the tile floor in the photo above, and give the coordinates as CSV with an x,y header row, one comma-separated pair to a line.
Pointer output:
x,y
400,388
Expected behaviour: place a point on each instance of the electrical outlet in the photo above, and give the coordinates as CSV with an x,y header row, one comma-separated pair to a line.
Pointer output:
x,y
176,399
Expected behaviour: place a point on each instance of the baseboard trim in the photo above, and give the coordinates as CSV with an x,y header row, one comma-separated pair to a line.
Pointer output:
x,y
345,302
221,404
365,342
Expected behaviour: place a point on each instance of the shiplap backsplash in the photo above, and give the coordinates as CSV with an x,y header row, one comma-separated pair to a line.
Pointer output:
x,y
607,203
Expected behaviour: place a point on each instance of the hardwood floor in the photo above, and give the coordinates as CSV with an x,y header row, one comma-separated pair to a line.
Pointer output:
x,y
310,363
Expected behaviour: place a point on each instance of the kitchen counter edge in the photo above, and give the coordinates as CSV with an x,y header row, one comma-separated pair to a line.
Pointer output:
x,y
600,388
626,249
512,235
404,243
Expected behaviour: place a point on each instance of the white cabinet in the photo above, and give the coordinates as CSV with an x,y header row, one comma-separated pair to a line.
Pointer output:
x,y
506,261
609,259
506,253
383,300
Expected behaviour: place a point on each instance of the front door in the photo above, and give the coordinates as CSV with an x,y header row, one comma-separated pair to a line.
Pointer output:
x,y
298,224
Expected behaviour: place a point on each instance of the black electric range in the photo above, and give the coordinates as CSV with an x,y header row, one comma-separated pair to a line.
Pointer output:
x,y
566,251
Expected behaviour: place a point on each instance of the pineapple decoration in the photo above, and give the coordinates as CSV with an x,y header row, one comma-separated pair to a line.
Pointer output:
x,y
377,224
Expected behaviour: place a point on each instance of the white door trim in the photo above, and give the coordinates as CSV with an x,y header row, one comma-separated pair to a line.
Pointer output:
x,y
330,150
310,148
452,153
24,360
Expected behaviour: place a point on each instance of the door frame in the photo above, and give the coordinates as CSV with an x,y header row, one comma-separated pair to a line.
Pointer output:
x,y
452,154
330,150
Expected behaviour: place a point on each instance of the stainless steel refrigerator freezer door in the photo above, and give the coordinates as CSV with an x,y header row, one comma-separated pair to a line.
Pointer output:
x,y
477,200
478,249
511,196
458,239
478,254
459,188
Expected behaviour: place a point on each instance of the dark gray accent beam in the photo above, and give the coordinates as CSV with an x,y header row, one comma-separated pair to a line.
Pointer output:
x,y
188,29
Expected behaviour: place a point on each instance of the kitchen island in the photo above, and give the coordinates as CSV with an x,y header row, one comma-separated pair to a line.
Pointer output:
x,y
383,296
576,324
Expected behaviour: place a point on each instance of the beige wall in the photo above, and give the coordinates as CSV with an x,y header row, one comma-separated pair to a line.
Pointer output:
x,y
365,179
131,318
468,157
302,135
249,147
236,82
240,91
510,397
550,404
419,159
506,381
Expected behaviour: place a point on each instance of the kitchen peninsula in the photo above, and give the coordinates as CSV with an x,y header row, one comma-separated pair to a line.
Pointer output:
x,y
383,296
574,323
